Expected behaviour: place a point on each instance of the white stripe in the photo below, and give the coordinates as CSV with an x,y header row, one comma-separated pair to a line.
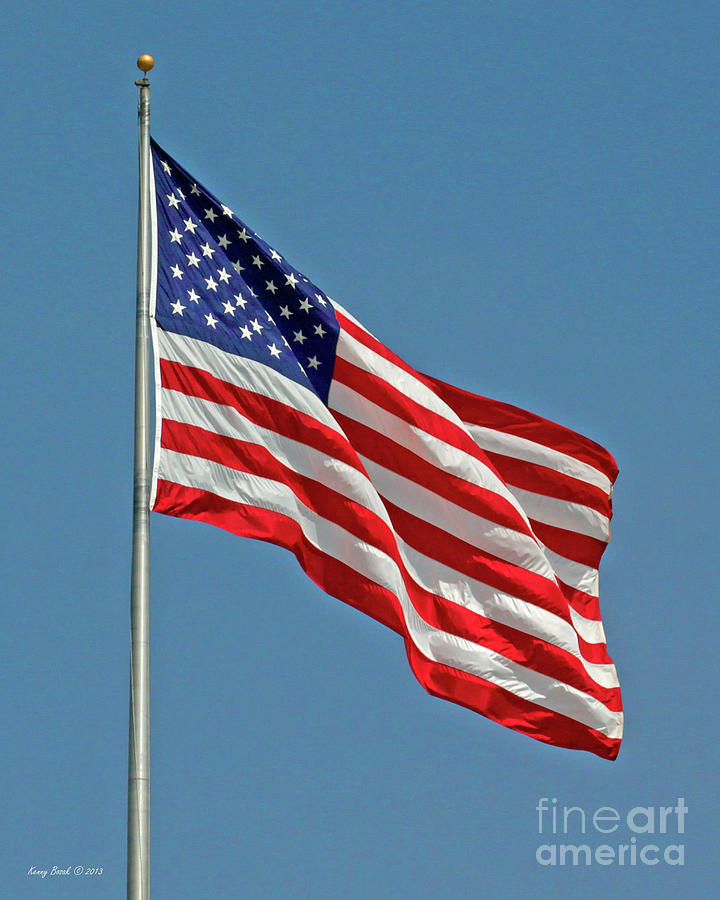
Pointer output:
x,y
349,482
348,402
572,516
523,682
532,452
343,399
503,608
296,455
341,309
564,514
506,543
429,574
574,574
254,376
486,438
590,630
247,374
352,351
371,562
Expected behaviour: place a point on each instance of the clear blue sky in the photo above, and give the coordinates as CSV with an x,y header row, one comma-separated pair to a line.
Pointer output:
x,y
530,190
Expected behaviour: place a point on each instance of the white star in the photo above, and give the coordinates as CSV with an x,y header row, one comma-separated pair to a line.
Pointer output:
x,y
238,268
319,331
194,190
313,362
241,301
182,196
227,210
165,166
252,292
211,284
174,236
284,311
177,272
224,242
257,262
299,337
178,308
246,333
229,308
193,260
320,299
212,322
210,214
189,225
305,305
193,296
274,350
243,235
223,275
173,200
271,287
275,255
291,279
256,326
207,249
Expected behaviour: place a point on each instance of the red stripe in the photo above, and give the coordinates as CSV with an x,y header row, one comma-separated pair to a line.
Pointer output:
x,y
494,414
397,458
348,585
514,644
543,480
372,343
513,420
399,404
381,393
480,501
570,544
508,709
586,604
452,551
438,611
329,573
389,398
264,411
594,653
257,460
528,476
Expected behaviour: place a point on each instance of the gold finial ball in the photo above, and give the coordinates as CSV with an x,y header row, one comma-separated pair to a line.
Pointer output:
x,y
145,62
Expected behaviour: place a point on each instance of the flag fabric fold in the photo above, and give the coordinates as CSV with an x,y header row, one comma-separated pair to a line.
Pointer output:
x,y
471,527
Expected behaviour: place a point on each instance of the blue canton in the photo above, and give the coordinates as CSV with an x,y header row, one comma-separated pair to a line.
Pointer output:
x,y
219,282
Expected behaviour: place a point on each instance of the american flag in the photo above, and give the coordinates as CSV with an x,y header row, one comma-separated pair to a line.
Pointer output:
x,y
471,527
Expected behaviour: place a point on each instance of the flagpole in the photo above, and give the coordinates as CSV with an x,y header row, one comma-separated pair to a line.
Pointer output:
x,y
138,853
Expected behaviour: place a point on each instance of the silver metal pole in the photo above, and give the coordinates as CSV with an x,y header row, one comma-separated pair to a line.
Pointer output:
x,y
138,860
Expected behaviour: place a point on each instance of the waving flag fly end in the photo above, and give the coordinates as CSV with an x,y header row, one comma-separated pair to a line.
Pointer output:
x,y
472,528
